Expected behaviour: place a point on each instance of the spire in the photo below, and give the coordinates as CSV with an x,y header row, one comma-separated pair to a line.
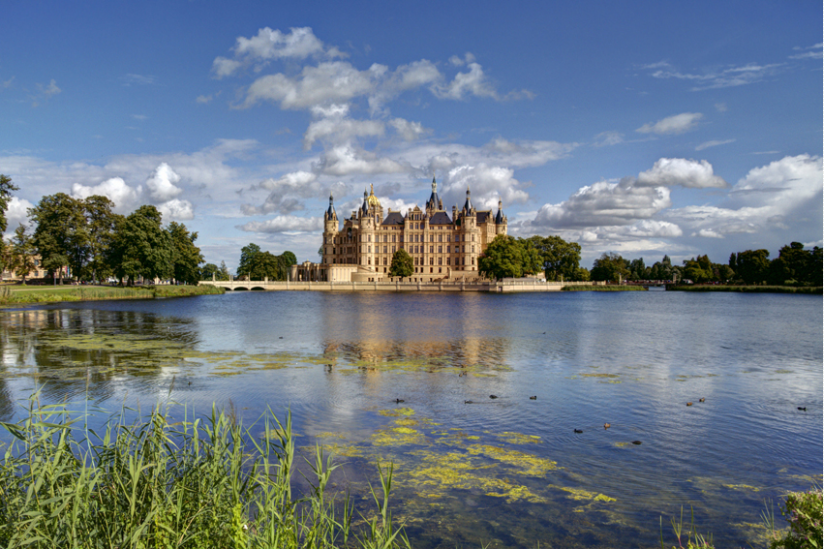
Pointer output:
x,y
434,185
365,207
468,203
330,213
434,202
500,217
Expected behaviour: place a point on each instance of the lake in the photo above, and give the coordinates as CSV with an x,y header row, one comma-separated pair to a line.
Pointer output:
x,y
473,470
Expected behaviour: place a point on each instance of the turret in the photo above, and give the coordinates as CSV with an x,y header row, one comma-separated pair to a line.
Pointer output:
x,y
330,232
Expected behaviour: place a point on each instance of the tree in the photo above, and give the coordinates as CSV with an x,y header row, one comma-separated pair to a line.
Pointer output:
x,y
609,267
60,235
558,258
22,253
6,188
100,224
223,272
141,247
752,266
289,258
699,269
503,258
208,271
401,264
187,256
266,266
247,255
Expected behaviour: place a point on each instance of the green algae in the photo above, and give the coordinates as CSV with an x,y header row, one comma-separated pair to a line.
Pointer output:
x,y
518,438
740,487
600,375
397,436
327,434
579,494
526,464
396,412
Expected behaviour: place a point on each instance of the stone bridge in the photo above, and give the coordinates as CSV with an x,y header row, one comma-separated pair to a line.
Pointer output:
x,y
388,286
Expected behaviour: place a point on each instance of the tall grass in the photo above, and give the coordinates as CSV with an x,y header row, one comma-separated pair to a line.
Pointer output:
x,y
47,294
200,484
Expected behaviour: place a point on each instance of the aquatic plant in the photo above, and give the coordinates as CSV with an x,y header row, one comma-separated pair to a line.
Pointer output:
x,y
803,510
202,483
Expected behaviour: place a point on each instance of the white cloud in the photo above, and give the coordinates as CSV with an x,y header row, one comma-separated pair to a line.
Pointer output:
x,y
125,198
676,124
332,82
724,78
604,204
670,172
17,214
473,82
176,210
811,52
340,130
348,160
161,184
137,79
49,90
284,224
604,139
409,131
269,45
708,233
488,184
708,144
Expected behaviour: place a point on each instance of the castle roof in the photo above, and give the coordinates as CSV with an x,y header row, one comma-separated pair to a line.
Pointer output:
x,y
394,218
440,218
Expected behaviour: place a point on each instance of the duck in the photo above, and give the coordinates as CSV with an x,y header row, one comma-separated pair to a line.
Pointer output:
x,y
636,442
702,399
802,408
533,398
467,402
493,396
399,400
578,431
689,403
607,425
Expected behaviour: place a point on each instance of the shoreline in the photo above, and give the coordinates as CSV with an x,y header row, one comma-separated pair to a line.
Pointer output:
x,y
805,290
12,296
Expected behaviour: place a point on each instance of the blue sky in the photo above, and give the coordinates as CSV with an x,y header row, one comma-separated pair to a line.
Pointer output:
x,y
641,128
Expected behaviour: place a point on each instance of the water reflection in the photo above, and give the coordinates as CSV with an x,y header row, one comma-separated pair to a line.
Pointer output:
x,y
479,472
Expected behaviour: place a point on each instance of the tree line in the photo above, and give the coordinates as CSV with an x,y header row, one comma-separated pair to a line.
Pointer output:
x,y
558,260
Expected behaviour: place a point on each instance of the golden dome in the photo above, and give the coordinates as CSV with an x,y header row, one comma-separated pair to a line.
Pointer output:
x,y
372,200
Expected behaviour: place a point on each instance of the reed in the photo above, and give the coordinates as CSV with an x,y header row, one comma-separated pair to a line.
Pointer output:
x,y
583,288
199,484
23,295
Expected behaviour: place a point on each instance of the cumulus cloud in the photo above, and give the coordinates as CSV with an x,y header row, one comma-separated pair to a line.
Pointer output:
x,y
161,184
17,213
347,160
284,224
670,172
707,233
176,210
488,184
708,144
268,45
286,193
340,130
676,124
605,203
604,139
409,131
125,198
473,82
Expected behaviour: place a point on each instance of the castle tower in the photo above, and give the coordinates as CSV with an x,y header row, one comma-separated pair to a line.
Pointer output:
x,y
500,220
330,233
434,203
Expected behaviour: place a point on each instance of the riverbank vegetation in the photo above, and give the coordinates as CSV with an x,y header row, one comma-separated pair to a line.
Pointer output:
x,y
746,289
201,484
577,288
213,483
22,295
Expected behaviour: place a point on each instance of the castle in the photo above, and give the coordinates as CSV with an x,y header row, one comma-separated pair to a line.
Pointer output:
x,y
441,247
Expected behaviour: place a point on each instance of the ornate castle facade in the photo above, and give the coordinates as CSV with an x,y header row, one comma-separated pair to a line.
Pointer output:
x,y
442,247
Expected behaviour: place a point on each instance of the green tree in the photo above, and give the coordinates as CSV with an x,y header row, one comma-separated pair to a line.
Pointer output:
x,y
208,270
699,269
22,253
401,264
223,272
559,258
289,258
752,266
503,258
609,267
247,256
100,224
6,188
60,234
266,265
141,247
187,256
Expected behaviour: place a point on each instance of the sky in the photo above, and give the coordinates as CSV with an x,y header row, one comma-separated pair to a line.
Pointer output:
x,y
640,128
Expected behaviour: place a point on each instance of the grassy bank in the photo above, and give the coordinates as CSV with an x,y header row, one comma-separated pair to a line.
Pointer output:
x,y
747,289
203,484
603,289
22,295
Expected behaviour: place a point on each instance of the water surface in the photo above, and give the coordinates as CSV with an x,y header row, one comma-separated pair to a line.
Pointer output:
x,y
473,470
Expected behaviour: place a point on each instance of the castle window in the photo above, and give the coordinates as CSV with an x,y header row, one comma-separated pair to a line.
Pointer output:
x,y
431,262
384,249
464,249
431,249
440,261
393,249
393,238
432,238
448,261
473,238
370,249
369,238
440,238
473,249
440,249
